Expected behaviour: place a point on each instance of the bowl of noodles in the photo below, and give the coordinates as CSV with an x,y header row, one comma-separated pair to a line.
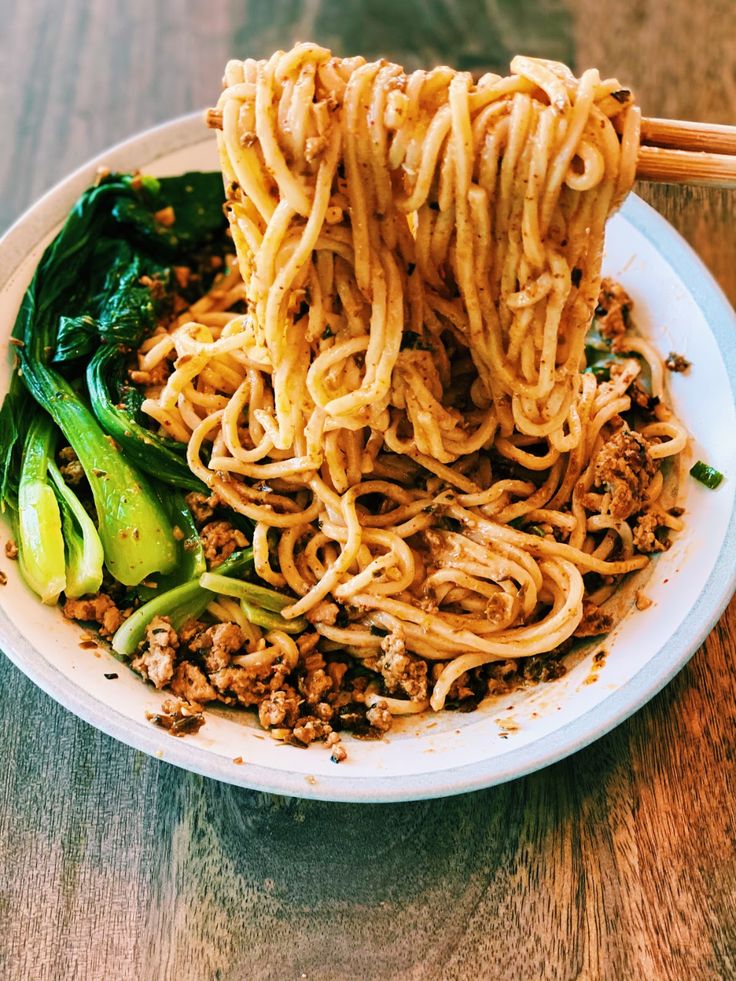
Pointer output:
x,y
471,542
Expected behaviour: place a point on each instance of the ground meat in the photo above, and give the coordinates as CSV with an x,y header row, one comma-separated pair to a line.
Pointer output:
x,y
201,506
324,711
219,540
191,684
247,685
314,685
158,375
314,147
645,538
306,643
545,667
183,274
190,630
380,717
467,691
324,612
500,676
70,467
625,468
337,671
166,217
641,399
594,622
95,609
642,600
218,644
308,729
11,549
281,708
612,312
402,672
459,690
676,362
156,661
178,717
497,607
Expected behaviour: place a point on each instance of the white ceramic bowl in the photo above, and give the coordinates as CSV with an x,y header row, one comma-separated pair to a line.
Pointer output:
x,y
680,307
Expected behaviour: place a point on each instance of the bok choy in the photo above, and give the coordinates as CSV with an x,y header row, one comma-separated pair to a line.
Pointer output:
x,y
98,290
40,540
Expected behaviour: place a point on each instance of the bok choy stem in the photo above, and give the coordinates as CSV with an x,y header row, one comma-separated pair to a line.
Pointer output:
x,y
84,553
262,606
40,539
185,602
136,535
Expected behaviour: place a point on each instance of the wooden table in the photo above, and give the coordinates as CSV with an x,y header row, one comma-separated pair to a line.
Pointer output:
x,y
616,864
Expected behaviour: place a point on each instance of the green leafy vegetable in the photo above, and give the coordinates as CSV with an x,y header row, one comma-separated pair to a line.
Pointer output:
x,y
706,474
124,308
195,200
135,532
162,458
192,562
15,416
94,290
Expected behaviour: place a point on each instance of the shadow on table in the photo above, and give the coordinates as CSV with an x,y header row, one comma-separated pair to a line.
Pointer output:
x,y
345,891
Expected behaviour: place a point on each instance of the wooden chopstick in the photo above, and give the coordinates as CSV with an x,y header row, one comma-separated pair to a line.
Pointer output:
x,y
676,151
680,134
672,151
667,166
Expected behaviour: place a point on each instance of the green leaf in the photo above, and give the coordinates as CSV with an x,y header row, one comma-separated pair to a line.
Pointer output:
x,y
196,199
162,458
92,287
15,416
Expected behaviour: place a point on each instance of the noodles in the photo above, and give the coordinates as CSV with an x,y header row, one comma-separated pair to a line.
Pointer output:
x,y
400,406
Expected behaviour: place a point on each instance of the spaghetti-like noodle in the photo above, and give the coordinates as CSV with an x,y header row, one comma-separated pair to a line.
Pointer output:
x,y
389,381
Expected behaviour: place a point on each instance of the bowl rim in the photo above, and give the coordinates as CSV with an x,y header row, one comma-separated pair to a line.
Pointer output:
x,y
178,134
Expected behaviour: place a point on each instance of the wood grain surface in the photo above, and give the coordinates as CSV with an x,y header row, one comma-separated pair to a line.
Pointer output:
x,y
619,863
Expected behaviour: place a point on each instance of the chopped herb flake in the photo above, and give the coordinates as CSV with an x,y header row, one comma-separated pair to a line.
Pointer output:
x,y
706,474
413,342
601,371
